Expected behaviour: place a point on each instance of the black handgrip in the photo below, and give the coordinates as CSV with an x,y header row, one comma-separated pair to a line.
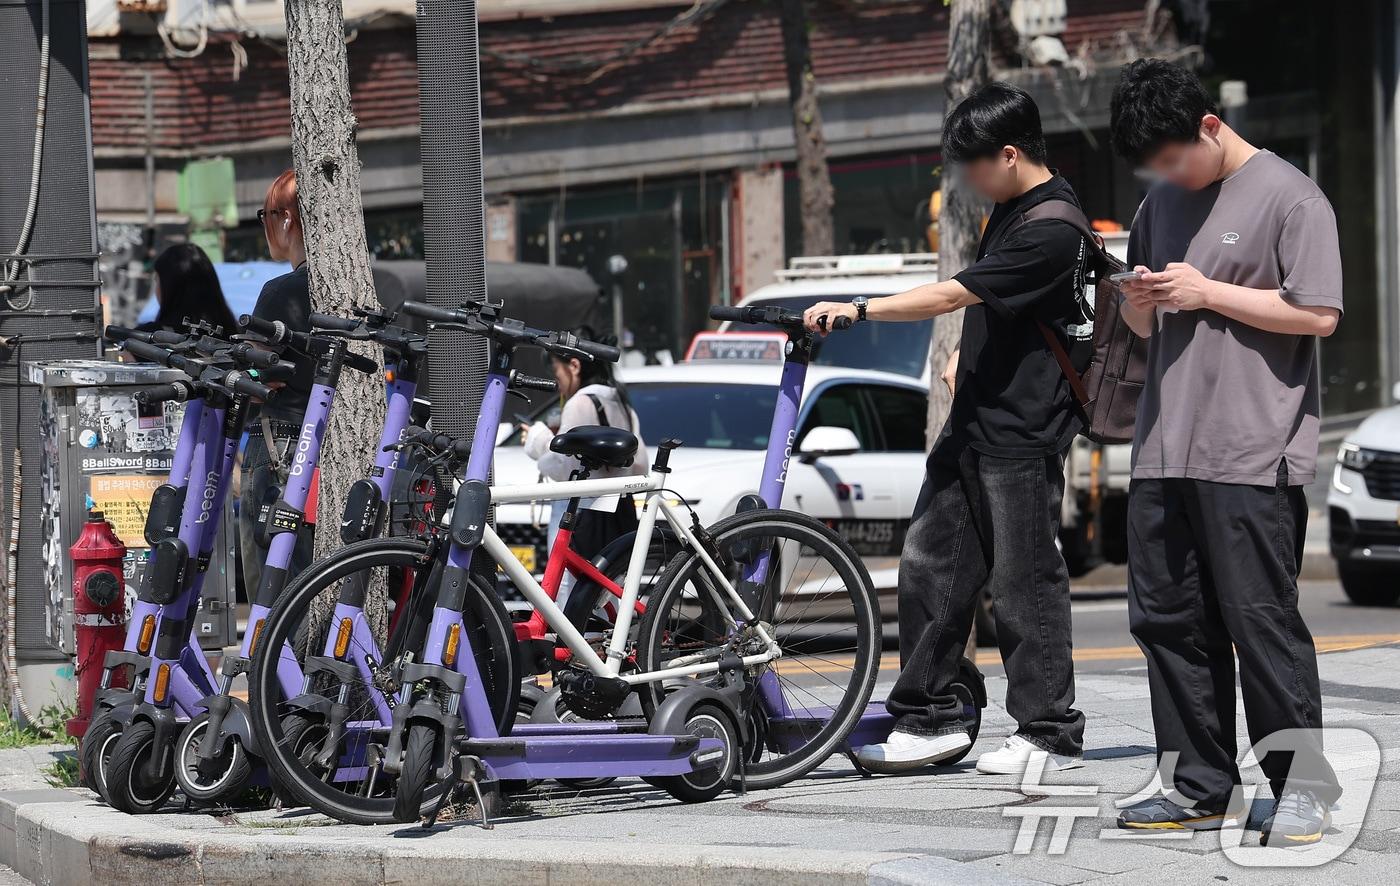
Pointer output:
x,y
123,333
241,383
331,321
254,356
178,391
600,351
272,330
279,371
731,313
360,363
147,351
842,322
432,313
532,382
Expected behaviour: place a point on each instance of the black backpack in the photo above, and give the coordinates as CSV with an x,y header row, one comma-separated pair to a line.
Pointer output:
x,y
1111,380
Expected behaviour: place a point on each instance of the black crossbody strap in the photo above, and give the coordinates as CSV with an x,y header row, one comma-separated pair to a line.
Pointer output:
x,y
598,406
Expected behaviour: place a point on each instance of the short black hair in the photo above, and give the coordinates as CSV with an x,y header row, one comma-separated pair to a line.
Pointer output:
x,y
989,119
1156,103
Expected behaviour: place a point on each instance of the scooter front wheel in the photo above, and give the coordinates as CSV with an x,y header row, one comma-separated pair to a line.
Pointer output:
x,y
96,749
420,750
130,787
220,779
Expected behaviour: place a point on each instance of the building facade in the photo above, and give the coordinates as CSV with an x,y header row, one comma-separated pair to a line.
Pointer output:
x,y
660,132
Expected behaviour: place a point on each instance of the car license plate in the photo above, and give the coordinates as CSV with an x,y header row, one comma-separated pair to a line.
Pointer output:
x,y
526,555
872,538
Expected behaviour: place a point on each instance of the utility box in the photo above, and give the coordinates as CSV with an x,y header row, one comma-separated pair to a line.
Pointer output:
x,y
103,451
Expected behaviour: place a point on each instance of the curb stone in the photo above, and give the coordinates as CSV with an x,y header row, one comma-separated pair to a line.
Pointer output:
x,y
58,837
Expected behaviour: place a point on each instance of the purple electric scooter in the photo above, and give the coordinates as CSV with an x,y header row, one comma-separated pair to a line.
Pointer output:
x,y
215,751
139,775
114,705
786,723
216,770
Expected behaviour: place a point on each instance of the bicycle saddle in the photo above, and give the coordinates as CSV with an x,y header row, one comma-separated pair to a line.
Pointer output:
x,y
597,446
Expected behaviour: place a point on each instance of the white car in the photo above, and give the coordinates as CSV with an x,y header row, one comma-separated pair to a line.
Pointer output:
x,y
722,412
1363,510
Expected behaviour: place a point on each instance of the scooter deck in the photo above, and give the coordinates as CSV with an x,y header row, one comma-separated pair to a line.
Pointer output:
x,y
592,755
790,732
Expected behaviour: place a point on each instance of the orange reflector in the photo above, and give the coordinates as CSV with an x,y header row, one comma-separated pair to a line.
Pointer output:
x,y
454,639
162,682
342,638
257,632
389,375
148,632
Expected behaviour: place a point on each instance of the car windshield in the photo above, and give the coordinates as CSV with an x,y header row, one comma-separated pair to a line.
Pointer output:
x,y
705,416
701,415
892,347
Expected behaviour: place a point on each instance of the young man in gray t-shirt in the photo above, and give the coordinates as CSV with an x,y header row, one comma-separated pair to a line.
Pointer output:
x,y
1240,274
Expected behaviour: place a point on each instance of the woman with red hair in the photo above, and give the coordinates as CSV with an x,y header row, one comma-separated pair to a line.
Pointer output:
x,y
276,424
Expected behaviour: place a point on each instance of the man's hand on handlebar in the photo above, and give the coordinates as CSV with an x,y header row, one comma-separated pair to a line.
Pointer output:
x,y
825,316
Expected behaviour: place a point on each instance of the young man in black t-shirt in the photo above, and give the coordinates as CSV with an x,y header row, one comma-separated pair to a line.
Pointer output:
x,y
988,513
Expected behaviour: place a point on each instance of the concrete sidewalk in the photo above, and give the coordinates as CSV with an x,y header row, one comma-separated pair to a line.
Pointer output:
x,y
947,826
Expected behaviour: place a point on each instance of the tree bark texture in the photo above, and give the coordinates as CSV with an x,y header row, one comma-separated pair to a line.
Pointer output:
x,y
813,176
332,217
960,218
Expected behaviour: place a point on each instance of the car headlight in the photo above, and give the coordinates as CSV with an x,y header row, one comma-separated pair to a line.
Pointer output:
x,y
1354,457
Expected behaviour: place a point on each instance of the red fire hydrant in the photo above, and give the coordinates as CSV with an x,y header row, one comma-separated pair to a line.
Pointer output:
x,y
99,609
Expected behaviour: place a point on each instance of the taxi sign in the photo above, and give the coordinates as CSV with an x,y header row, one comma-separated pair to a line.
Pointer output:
x,y
741,346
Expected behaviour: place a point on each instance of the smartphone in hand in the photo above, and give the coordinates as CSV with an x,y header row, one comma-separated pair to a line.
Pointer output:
x,y
1119,279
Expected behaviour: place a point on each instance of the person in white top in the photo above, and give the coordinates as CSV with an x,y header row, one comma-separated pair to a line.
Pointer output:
x,y
592,396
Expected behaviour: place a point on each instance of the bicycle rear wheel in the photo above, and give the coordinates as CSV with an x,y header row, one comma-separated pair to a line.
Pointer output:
x,y
310,760
815,599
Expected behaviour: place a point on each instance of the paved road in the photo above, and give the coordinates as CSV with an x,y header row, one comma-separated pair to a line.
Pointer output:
x,y
1102,643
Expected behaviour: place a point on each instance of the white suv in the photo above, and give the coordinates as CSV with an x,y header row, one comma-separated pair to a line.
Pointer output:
x,y
1363,510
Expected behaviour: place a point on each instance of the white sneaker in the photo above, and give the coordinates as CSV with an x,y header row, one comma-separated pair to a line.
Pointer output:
x,y
905,751
1011,758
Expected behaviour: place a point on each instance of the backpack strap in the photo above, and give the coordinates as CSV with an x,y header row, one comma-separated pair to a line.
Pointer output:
x,y
1064,211
1076,383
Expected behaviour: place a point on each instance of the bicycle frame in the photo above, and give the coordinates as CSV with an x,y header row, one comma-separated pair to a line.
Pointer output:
x,y
656,507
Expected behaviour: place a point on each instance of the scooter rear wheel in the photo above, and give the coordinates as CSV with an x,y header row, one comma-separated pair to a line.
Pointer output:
x,y
706,720
235,766
129,787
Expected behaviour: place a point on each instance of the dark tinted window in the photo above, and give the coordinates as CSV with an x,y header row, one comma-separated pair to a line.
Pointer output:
x,y
892,347
840,407
902,415
705,416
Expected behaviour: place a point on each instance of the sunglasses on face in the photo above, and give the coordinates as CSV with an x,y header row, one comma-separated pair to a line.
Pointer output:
x,y
264,213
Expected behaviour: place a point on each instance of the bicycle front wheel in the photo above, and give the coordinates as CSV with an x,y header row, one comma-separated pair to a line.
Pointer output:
x,y
812,595
328,765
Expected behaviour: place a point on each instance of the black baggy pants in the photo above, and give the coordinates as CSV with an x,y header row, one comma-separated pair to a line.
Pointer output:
x,y
1214,566
982,521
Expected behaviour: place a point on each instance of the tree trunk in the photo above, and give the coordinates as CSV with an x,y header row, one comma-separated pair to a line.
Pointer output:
x,y
960,217
332,217
813,176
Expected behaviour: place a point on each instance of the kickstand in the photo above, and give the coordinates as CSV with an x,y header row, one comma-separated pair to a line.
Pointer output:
x,y
860,770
